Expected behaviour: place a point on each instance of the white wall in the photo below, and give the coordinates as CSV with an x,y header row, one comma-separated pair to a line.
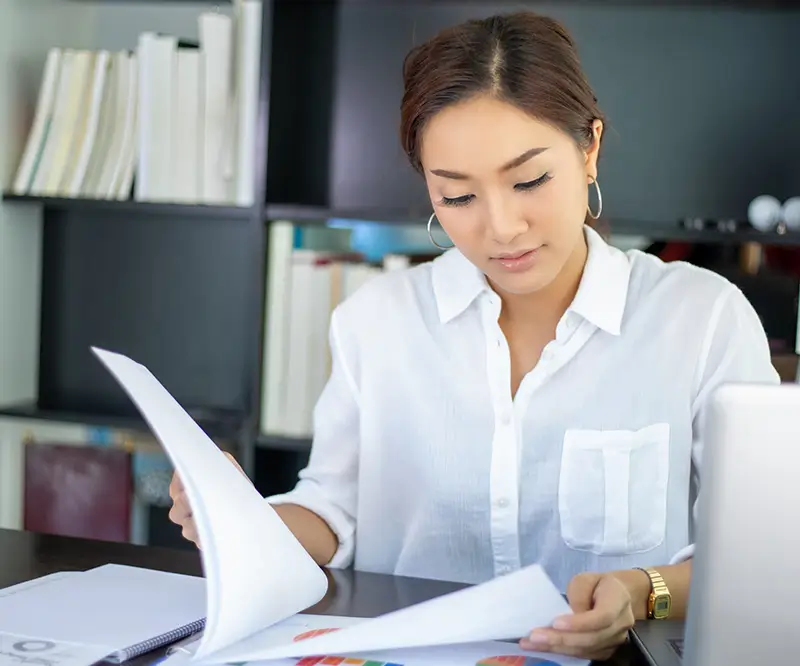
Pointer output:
x,y
27,29
118,24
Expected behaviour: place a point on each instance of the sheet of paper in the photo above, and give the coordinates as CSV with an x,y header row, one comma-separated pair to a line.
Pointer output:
x,y
257,572
18,650
293,629
503,608
484,653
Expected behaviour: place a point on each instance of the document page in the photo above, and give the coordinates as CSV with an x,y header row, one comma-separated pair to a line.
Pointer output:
x,y
257,573
482,653
507,607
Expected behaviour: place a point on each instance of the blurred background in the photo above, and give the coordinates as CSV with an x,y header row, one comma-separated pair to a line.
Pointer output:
x,y
198,184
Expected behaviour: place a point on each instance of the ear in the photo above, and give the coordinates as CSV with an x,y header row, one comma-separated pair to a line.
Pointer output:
x,y
593,151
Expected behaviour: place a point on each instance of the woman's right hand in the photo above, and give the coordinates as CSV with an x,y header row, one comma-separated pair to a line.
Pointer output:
x,y
181,512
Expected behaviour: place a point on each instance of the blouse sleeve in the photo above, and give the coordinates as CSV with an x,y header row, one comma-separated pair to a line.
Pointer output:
x,y
735,350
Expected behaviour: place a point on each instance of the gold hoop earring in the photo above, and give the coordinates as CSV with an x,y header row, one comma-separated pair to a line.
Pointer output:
x,y
430,234
596,216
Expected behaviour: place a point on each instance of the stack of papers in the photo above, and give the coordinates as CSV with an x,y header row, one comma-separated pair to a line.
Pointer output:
x,y
258,576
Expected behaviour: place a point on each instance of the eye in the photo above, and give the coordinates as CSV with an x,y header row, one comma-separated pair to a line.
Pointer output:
x,y
457,201
533,184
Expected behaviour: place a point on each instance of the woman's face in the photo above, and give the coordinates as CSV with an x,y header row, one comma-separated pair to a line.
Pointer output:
x,y
510,191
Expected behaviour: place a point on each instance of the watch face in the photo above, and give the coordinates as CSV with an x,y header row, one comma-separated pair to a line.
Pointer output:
x,y
661,606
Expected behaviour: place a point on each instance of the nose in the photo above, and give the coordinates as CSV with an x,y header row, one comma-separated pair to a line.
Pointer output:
x,y
504,222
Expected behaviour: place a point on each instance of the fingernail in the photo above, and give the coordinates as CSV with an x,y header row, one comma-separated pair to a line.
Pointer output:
x,y
538,638
561,623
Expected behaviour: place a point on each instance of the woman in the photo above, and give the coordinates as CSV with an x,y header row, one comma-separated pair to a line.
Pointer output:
x,y
532,395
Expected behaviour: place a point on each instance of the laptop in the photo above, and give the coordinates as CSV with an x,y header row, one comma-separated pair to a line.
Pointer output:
x,y
743,605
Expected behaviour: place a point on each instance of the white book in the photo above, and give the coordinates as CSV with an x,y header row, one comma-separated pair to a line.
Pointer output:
x,y
60,106
73,179
297,381
187,139
157,58
259,577
319,307
95,169
71,126
123,180
276,326
42,121
216,44
116,138
248,70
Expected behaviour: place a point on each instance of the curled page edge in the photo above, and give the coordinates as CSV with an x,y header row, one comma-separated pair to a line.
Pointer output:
x,y
502,608
294,580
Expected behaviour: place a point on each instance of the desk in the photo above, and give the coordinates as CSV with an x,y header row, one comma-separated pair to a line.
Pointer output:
x,y
25,555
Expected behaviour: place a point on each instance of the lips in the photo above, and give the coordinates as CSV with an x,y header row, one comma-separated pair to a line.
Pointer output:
x,y
515,255
517,261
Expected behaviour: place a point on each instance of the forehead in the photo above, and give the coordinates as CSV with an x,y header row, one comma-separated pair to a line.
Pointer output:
x,y
482,134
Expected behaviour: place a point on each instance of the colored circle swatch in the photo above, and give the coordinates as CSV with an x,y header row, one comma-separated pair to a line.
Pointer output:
x,y
516,660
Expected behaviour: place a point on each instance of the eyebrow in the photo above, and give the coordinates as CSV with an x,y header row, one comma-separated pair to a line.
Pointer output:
x,y
513,164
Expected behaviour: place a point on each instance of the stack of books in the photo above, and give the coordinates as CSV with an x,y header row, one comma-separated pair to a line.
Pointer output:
x,y
303,288
172,121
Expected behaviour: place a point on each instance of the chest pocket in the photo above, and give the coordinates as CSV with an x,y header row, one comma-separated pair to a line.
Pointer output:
x,y
612,495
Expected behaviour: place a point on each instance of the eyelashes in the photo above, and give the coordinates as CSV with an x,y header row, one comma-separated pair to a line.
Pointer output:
x,y
519,187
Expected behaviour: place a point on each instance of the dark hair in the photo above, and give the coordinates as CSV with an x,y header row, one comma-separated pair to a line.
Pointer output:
x,y
522,58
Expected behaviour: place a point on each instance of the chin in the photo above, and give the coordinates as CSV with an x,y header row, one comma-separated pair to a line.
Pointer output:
x,y
522,284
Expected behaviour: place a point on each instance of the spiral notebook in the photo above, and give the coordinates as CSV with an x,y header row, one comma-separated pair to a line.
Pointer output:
x,y
142,609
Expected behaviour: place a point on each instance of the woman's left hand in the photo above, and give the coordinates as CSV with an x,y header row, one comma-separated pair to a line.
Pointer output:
x,y
602,617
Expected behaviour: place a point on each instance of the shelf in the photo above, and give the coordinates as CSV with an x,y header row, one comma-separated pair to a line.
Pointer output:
x,y
137,207
283,443
216,424
656,231
678,233
178,2
321,214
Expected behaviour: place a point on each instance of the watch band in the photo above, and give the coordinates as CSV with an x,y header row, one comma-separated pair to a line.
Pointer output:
x,y
660,600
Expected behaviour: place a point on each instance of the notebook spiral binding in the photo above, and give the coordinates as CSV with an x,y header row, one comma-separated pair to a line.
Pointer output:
x,y
157,642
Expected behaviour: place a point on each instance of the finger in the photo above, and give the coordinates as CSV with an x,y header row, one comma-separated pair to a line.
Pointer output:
x,y
189,532
608,601
597,619
180,511
235,462
589,645
175,486
580,591
178,515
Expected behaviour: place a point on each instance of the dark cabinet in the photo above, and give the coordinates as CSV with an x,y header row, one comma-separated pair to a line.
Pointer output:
x,y
698,101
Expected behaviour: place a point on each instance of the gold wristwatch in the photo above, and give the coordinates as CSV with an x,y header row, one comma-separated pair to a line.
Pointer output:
x,y
659,603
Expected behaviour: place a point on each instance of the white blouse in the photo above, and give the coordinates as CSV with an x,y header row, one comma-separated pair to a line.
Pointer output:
x,y
424,465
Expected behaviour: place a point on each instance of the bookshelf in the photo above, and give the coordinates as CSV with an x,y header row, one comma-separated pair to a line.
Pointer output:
x,y
127,207
182,286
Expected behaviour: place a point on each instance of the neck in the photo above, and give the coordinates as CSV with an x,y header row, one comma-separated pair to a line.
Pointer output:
x,y
548,304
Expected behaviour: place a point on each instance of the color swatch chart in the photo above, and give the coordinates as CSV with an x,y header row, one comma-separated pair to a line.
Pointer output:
x,y
516,660
341,661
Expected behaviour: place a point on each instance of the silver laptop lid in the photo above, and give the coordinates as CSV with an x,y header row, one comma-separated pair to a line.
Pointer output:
x,y
743,605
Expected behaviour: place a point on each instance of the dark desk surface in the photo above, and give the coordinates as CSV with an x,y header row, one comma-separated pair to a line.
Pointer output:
x,y
25,555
